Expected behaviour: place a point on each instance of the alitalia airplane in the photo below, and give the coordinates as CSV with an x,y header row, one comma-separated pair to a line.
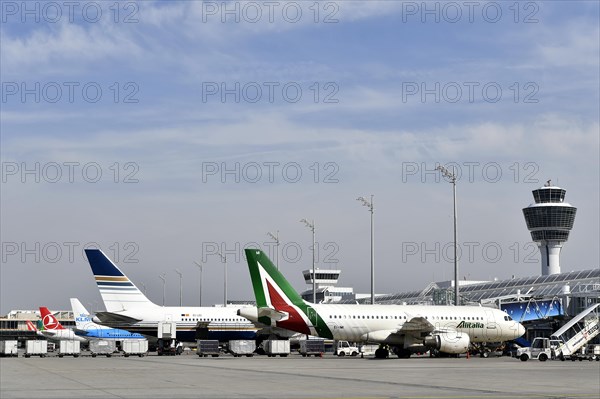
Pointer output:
x,y
127,307
86,328
401,329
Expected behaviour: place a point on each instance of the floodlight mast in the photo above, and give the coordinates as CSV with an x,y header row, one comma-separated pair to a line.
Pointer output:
x,y
452,177
180,287
311,226
164,280
224,259
371,207
275,238
200,291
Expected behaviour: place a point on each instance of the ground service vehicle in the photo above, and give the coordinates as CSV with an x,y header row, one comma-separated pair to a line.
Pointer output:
x,y
274,347
344,348
137,347
8,348
314,347
35,347
208,347
581,329
102,347
242,347
540,349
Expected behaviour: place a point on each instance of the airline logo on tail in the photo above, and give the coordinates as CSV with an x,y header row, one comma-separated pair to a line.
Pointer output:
x,y
108,276
117,291
277,300
50,322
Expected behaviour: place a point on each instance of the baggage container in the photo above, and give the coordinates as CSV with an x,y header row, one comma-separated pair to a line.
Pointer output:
x,y
315,347
36,348
69,348
242,347
274,347
208,347
8,348
103,347
136,347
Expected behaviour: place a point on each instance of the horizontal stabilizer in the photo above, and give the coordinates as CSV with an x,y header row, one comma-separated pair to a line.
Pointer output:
x,y
115,320
273,314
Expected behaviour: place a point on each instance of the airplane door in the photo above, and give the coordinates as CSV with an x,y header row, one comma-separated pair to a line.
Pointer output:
x,y
491,330
312,316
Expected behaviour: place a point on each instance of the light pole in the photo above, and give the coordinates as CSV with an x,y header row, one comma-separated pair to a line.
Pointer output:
x,y
180,287
164,280
224,259
452,177
200,292
371,206
276,239
311,226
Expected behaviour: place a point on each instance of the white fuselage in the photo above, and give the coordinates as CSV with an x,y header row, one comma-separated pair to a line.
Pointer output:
x,y
357,322
221,320
62,335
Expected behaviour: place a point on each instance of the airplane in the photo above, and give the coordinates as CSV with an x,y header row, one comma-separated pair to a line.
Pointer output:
x,y
127,307
403,329
52,329
85,327
31,327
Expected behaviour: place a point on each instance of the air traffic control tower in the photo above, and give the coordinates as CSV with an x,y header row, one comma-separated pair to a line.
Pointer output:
x,y
550,219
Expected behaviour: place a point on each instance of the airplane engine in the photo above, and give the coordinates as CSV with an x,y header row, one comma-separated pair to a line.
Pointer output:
x,y
448,342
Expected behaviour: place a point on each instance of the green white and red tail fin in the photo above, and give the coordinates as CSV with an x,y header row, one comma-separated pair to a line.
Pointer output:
x,y
278,302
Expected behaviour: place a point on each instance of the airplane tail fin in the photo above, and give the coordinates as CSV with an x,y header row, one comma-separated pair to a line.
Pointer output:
x,y
271,288
83,319
30,326
278,302
49,320
117,291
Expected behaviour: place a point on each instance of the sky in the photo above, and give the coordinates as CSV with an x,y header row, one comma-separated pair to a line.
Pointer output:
x,y
164,132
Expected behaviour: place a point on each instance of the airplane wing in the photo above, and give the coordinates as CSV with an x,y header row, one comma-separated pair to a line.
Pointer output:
x,y
416,324
81,333
112,319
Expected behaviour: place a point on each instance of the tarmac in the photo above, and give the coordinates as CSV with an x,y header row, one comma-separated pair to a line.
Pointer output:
x,y
189,376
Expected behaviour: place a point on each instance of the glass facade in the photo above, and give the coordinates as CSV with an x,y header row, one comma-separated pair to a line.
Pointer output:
x,y
544,195
561,217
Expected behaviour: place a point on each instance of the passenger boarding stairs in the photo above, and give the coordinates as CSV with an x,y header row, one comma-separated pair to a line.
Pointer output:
x,y
581,329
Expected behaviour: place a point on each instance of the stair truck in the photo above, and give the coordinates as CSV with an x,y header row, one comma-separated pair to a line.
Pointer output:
x,y
582,329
